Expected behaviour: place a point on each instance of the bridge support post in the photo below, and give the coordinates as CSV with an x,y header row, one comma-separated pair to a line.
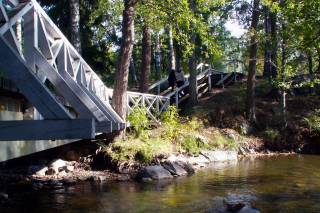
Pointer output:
x,y
209,81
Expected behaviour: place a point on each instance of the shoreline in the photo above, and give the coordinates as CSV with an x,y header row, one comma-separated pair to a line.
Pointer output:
x,y
167,169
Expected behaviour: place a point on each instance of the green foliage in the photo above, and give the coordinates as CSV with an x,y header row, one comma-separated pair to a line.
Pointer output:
x,y
313,120
192,145
170,120
220,141
272,135
137,149
139,121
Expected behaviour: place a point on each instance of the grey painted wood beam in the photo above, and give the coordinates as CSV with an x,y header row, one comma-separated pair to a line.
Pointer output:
x,y
47,129
16,69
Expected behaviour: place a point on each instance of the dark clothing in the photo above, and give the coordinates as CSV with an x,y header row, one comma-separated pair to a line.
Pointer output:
x,y
172,79
180,83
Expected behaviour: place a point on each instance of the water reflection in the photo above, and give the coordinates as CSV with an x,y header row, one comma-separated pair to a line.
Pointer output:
x,y
277,184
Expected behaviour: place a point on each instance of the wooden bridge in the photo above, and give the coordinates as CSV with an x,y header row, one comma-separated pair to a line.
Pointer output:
x,y
72,100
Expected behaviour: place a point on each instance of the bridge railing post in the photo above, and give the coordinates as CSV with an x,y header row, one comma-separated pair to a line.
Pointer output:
x,y
209,80
177,98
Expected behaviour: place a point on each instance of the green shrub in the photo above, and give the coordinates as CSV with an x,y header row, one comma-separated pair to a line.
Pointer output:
x,y
313,120
138,119
191,145
220,141
171,122
271,135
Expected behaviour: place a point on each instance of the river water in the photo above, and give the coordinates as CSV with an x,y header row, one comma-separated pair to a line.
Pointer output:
x,y
273,184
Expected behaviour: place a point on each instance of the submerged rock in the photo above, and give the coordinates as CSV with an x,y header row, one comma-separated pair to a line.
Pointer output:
x,y
154,173
174,168
239,204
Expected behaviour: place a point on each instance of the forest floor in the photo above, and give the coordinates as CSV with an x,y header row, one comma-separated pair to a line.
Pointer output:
x,y
225,109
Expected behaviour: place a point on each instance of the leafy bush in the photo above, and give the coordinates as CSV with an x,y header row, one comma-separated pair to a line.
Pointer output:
x,y
192,145
219,141
170,119
313,120
272,135
139,121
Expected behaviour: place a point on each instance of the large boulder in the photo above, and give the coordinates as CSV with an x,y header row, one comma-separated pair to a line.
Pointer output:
x,y
174,168
154,173
58,165
42,172
186,166
220,156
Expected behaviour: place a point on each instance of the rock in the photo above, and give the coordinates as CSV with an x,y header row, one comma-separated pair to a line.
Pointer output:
x,y
248,209
234,205
220,156
102,178
82,178
154,172
174,168
62,173
239,203
57,165
200,161
69,168
186,166
232,136
42,172
50,171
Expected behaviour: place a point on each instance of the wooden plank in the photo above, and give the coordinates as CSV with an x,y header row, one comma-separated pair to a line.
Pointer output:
x,y
47,129
29,85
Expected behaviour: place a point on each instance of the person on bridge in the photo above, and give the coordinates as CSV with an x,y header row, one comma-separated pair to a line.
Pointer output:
x,y
180,78
172,79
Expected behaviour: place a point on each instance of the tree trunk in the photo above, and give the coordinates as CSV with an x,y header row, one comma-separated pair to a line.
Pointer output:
x,y
146,59
283,78
177,49
132,70
74,6
250,102
172,58
157,57
274,44
267,51
119,100
318,51
193,90
310,62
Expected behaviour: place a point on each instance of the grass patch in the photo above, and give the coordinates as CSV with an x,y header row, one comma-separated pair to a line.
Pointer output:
x,y
175,135
137,149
